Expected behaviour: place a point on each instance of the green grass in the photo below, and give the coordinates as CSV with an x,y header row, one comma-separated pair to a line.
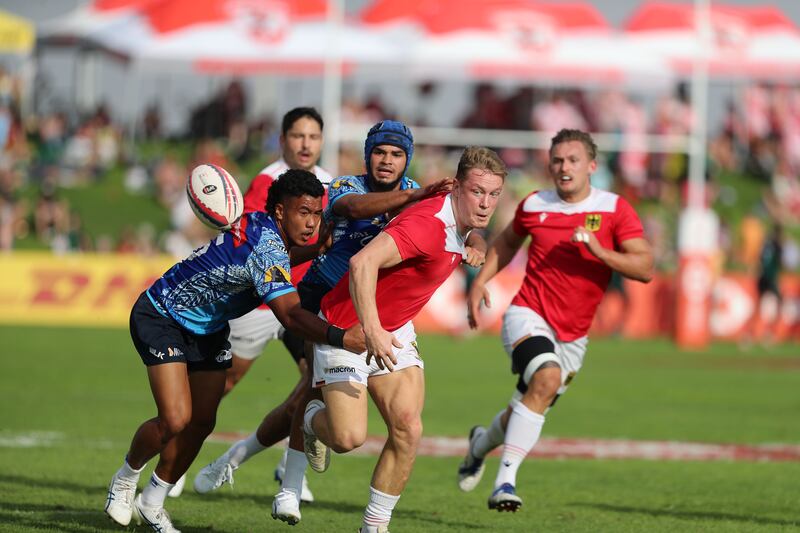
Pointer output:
x,y
83,391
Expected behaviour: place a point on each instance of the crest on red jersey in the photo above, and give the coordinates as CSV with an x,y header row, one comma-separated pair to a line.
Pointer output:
x,y
592,222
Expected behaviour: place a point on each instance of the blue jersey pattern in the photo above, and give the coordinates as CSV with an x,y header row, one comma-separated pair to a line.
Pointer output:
x,y
228,277
349,236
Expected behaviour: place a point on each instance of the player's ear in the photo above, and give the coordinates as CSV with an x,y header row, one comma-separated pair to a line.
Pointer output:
x,y
279,211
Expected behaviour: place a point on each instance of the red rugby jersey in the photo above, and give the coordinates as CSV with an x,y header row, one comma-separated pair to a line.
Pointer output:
x,y
428,241
564,282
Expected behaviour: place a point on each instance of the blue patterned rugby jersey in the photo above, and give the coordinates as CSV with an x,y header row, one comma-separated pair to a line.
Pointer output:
x,y
349,236
228,277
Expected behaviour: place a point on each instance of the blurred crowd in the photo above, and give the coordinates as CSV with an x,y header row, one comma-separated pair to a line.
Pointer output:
x,y
45,158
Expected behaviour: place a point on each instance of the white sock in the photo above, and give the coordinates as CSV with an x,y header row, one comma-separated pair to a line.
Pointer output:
x,y
491,438
282,463
308,416
154,494
126,471
296,463
244,450
379,509
524,428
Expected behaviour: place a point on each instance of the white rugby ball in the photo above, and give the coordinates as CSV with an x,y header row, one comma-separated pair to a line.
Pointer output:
x,y
214,196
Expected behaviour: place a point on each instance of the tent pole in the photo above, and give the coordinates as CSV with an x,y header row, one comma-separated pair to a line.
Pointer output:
x,y
332,88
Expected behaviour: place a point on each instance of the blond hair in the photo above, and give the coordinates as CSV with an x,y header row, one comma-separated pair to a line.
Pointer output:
x,y
482,158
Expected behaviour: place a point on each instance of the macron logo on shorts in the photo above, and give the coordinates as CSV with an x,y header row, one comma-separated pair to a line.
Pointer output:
x,y
340,370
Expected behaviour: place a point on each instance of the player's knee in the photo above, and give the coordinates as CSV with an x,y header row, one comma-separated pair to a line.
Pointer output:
x,y
348,439
545,382
406,427
535,361
174,421
200,429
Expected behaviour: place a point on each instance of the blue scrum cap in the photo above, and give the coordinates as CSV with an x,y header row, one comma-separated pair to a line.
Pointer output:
x,y
389,132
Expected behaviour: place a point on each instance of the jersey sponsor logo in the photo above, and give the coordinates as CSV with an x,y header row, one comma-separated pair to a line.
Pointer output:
x,y
593,222
224,355
341,183
157,353
277,274
340,370
174,352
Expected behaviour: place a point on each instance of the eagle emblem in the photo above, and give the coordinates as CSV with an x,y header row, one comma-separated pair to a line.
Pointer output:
x,y
592,222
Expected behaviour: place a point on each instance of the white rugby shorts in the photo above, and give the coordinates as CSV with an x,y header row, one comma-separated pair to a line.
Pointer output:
x,y
519,322
336,365
251,332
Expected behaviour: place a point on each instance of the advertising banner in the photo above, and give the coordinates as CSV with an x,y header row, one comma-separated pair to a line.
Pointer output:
x,y
98,290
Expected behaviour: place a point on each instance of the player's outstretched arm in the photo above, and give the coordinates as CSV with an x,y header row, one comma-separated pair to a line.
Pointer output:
x,y
381,252
501,252
372,204
311,327
634,261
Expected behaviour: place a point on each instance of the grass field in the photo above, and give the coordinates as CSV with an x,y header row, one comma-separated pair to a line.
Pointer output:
x,y
72,398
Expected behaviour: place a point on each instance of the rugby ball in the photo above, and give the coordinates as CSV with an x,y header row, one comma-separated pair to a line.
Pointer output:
x,y
214,196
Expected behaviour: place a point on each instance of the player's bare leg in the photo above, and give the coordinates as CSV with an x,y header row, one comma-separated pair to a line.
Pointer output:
x,y
400,397
169,384
523,429
273,428
239,367
286,505
342,423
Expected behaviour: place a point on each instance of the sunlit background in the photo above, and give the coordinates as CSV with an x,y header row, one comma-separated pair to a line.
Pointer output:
x,y
106,105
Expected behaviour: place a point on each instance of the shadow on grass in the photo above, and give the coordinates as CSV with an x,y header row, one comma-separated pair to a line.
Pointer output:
x,y
57,516
53,517
432,518
689,515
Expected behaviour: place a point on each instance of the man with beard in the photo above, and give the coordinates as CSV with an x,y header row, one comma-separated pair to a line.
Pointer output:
x,y
359,207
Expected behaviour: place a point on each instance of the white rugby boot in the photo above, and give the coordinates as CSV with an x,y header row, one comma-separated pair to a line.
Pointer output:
x,y
119,501
177,488
213,475
306,496
156,519
317,453
471,468
286,507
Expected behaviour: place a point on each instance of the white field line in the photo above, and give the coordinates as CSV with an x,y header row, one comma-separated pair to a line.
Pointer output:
x,y
595,449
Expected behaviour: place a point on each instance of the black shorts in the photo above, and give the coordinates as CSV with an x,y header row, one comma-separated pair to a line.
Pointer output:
x,y
310,297
767,285
160,339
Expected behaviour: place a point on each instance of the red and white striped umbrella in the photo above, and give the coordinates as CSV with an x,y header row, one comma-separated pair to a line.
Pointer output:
x,y
233,36
750,41
512,38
